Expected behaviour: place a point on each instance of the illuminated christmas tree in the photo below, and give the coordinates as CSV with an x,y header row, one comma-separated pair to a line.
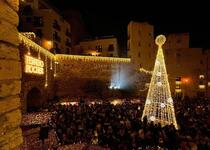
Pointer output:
x,y
159,106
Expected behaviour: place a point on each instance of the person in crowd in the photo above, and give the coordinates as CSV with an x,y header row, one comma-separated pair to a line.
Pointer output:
x,y
120,126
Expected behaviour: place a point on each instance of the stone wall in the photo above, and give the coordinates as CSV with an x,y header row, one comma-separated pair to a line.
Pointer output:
x,y
31,80
78,75
73,75
10,75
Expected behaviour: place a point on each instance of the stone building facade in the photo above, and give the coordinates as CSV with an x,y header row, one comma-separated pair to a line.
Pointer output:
x,y
10,76
77,74
186,66
37,88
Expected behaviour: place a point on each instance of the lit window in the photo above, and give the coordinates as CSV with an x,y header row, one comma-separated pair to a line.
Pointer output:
x,y
178,90
208,83
201,76
201,86
177,86
178,82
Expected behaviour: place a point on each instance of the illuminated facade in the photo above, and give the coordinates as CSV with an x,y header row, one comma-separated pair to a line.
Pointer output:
x,y
181,60
103,46
159,103
46,22
140,45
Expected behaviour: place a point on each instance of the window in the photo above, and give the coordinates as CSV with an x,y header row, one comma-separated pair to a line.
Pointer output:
x,y
56,37
201,76
55,45
28,19
56,25
27,10
178,90
68,43
67,50
178,41
201,86
111,48
99,48
38,21
39,33
178,80
68,33
178,54
139,54
57,49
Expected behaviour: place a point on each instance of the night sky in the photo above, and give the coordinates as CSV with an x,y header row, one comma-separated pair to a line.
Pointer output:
x,y
111,17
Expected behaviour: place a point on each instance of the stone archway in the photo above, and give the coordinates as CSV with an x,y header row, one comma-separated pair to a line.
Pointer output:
x,y
34,99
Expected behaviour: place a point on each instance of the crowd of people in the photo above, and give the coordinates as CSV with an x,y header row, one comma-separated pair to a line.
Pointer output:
x,y
121,127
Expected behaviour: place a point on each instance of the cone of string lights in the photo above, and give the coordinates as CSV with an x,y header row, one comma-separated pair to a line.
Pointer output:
x,y
159,106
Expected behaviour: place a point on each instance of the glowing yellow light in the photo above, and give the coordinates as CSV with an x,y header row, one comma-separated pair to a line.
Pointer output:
x,y
152,118
145,71
201,76
170,100
208,83
46,73
116,102
30,35
178,90
201,86
69,103
34,45
95,53
177,87
159,104
93,103
178,82
33,65
45,85
92,58
47,44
